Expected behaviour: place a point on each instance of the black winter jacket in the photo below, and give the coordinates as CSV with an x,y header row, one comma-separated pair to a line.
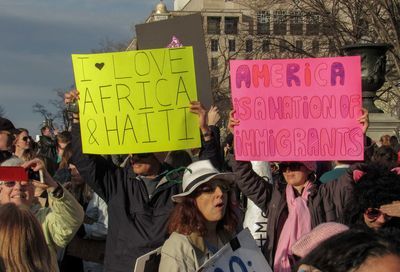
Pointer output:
x,y
136,224
326,202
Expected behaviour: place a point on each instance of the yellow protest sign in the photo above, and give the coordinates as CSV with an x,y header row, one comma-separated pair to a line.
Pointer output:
x,y
137,101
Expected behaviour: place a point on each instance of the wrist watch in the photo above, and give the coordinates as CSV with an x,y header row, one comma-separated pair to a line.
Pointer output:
x,y
58,192
207,133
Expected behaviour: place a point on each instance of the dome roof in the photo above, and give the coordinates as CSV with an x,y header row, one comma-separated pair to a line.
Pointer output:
x,y
161,8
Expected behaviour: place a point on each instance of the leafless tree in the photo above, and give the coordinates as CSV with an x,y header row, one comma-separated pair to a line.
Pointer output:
x,y
363,21
333,23
2,111
107,45
58,116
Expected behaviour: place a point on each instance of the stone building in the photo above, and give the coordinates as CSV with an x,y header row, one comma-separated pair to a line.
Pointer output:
x,y
255,29
238,30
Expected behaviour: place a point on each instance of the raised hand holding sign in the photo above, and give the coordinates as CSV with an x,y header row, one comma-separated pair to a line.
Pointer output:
x,y
137,101
297,109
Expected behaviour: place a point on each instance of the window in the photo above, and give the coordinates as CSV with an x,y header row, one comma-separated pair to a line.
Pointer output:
x,y
214,82
263,22
249,46
332,46
214,45
232,45
213,25
299,45
280,22
231,25
315,46
312,24
283,46
296,23
265,46
214,63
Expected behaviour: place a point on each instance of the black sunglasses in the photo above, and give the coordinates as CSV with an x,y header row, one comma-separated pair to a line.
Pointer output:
x,y
25,138
373,213
292,166
11,184
210,187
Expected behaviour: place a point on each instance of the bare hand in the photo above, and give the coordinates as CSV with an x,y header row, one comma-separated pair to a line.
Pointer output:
x,y
197,108
213,116
71,96
232,121
38,166
364,120
392,209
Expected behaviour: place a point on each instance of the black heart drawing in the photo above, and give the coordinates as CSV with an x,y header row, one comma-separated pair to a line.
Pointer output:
x,y
99,65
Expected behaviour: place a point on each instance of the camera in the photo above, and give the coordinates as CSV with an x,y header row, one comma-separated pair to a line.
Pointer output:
x,y
73,107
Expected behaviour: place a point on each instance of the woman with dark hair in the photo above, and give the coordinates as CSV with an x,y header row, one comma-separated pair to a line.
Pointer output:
x,y
294,204
375,188
22,145
203,219
23,247
63,139
356,251
385,157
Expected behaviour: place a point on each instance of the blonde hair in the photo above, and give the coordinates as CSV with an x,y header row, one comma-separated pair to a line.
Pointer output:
x,y
23,247
385,140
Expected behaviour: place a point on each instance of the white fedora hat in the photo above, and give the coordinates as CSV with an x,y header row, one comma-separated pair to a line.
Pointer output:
x,y
199,173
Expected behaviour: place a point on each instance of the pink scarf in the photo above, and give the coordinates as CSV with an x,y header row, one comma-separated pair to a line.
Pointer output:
x,y
297,224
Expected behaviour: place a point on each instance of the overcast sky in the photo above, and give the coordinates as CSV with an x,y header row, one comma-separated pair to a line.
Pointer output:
x,y
37,38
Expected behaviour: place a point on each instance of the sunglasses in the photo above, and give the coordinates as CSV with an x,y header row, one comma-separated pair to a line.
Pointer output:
x,y
137,157
211,187
373,213
26,138
11,184
293,166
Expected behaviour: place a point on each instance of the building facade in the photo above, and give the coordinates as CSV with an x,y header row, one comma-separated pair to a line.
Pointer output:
x,y
248,30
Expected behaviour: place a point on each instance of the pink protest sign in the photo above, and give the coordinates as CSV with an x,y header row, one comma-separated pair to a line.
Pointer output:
x,y
297,109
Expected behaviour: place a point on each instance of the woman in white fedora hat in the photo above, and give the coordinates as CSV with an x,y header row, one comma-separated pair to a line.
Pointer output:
x,y
203,219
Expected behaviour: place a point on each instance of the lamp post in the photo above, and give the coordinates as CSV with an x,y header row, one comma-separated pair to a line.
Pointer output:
x,y
373,68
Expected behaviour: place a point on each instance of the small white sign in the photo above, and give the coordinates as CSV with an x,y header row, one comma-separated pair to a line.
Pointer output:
x,y
148,262
240,255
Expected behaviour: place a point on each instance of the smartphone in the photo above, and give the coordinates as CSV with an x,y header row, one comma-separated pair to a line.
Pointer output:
x,y
35,175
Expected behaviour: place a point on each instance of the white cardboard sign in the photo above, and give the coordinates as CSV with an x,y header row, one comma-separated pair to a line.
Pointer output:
x,y
240,255
148,262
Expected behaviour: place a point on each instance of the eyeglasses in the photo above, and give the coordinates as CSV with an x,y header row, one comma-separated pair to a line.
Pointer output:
x,y
210,187
293,166
11,184
26,138
373,213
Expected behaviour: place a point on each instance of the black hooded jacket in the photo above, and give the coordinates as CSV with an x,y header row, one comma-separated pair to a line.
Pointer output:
x,y
137,224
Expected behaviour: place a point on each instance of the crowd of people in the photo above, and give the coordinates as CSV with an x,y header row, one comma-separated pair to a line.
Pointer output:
x,y
70,211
